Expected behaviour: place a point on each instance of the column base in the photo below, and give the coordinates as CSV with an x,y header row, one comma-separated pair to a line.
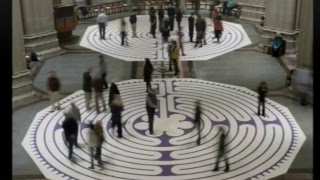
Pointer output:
x,y
43,44
268,35
252,12
22,90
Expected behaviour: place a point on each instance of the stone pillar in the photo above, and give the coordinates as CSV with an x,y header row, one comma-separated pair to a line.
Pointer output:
x,y
305,51
280,17
38,25
22,91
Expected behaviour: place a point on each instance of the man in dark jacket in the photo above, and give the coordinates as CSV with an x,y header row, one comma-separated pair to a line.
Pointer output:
x,y
204,28
98,90
197,121
179,17
53,87
160,16
87,88
116,109
166,30
199,29
171,12
147,73
262,91
70,127
191,27
133,22
151,106
222,151
153,25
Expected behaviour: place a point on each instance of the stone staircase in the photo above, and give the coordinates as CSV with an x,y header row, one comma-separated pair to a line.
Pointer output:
x,y
252,12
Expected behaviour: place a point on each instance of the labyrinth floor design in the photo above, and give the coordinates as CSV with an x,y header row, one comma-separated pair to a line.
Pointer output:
x,y
233,37
258,147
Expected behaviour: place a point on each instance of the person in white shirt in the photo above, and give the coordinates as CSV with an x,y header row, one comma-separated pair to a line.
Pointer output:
x,y
102,21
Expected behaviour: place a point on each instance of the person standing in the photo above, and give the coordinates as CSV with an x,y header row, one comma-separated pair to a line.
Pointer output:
x,y
98,91
70,128
147,73
262,91
160,17
103,71
218,28
199,29
102,21
53,87
93,143
153,25
197,121
116,109
191,26
113,91
175,57
180,41
166,30
204,29
171,12
133,22
179,17
169,50
99,130
151,106
222,151
122,31
87,88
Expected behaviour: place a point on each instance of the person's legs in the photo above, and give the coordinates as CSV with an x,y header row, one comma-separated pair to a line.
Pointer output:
x,y
216,168
103,102
100,31
122,38
227,163
96,98
204,38
87,97
176,69
98,155
259,104
199,134
91,157
170,64
119,126
104,31
263,108
105,83
70,147
191,35
51,96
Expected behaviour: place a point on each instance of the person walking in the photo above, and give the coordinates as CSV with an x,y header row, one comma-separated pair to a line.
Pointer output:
x,y
103,71
53,87
160,17
147,73
116,109
199,30
262,91
102,21
171,12
169,50
151,106
153,25
113,91
222,151
197,121
122,31
70,128
175,57
179,17
204,29
166,30
218,28
191,26
98,91
133,22
93,143
99,130
87,88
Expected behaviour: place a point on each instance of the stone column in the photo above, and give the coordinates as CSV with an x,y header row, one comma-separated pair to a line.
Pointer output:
x,y
252,10
22,91
38,25
305,51
280,17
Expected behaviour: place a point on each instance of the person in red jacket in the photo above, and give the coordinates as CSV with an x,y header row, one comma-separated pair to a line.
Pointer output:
x,y
53,87
218,28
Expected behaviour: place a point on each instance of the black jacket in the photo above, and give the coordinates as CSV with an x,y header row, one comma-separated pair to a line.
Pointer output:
x,y
171,11
147,72
133,19
197,117
203,25
160,13
262,93
87,82
70,127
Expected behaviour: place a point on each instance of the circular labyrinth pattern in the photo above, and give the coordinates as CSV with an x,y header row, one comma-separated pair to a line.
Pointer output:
x,y
258,147
233,37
